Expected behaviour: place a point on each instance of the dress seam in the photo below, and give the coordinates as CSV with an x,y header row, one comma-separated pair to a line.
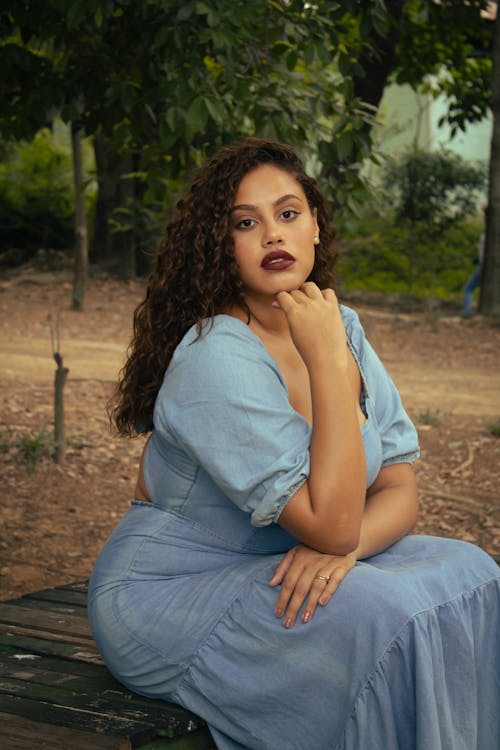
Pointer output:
x,y
397,637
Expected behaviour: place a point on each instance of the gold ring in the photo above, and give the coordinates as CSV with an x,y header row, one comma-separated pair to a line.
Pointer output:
x,y
322,578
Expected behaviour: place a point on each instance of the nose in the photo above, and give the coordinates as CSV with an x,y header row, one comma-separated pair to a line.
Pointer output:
x,y
272,236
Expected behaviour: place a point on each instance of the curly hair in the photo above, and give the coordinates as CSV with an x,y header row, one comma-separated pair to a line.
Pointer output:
x,y
195,275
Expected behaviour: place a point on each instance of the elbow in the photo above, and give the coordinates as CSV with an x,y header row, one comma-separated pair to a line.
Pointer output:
x,y
343,541
341,547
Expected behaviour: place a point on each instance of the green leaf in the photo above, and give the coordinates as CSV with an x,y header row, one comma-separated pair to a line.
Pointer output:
x,y
197,114
309,53
215,108
344,145
291,60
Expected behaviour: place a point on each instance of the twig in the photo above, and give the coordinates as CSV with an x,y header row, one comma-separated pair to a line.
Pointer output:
x,y
466,463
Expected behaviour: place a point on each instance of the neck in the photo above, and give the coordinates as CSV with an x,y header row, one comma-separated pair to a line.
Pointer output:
x,y
263,316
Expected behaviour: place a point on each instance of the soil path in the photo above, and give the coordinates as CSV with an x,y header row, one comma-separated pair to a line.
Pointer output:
x,y
54,519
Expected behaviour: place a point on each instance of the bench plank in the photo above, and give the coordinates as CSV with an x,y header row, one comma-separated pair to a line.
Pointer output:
x,y
14,642
63,596
28,619
19,733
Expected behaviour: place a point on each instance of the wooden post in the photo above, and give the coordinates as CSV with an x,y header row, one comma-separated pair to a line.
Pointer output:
x,y
59,383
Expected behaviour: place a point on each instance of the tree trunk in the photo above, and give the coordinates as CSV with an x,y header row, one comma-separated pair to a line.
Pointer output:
x,y
377,60
115,249
107,191
489,303
81,244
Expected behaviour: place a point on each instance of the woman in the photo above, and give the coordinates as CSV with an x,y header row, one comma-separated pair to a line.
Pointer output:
x,y
279,464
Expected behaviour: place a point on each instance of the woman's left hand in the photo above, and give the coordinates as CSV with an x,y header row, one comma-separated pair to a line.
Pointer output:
x,y
309,576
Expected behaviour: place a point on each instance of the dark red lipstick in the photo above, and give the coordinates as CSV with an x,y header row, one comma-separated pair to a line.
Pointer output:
x,y
277,260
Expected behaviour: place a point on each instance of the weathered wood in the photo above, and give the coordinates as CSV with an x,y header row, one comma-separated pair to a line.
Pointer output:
x,y
19,733
80,696
38,710
27,619
15,643
57,607
52,675
62,596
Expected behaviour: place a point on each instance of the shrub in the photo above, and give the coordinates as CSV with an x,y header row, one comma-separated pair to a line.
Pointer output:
x,y
36,200
382,254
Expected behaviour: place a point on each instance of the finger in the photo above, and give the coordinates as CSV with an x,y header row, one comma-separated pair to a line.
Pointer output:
x,y
282,568
318,587
300,593
287,591
285,301
329,294
336,578
310,289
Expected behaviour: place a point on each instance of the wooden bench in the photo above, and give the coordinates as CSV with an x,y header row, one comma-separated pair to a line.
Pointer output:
x,y
56,693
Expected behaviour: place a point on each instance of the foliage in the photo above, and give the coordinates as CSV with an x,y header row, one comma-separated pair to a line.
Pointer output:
x,y
162,83
434,187
376,256
34,447
446,47
431,418
494,428
36,207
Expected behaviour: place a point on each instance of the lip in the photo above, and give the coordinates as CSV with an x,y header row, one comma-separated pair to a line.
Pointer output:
x,y
277,260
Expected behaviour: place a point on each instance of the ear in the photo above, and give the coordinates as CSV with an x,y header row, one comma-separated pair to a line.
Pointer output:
x,y
315,221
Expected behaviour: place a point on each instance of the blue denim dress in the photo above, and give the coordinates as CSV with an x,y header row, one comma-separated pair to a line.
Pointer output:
x,y
405,656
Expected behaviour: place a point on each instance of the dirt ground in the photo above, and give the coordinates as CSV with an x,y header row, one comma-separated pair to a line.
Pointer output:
x,y
54,518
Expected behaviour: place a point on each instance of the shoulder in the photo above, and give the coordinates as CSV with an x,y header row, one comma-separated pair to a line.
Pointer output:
x,y
224,354
224,336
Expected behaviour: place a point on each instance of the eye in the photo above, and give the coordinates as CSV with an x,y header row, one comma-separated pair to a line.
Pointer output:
x,y
245,224
289,214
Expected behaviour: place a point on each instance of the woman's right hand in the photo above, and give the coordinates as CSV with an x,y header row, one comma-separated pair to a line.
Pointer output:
x,y
315,322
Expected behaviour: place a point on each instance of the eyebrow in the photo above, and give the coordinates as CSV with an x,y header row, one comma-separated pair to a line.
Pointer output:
x,y
278,202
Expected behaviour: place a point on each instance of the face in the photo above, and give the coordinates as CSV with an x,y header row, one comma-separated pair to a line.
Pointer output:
x,y
274,232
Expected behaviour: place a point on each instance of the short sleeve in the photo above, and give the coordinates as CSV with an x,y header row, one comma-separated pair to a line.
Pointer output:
x,y
397,432
224,403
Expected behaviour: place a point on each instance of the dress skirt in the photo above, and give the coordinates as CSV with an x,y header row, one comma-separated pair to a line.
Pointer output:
x,y
406,655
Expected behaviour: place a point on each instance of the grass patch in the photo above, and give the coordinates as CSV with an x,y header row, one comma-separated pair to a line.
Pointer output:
x,y
431,418
35,447
494,427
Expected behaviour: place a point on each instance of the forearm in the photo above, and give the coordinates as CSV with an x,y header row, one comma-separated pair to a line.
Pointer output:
x,y
391,510
325,513
337,479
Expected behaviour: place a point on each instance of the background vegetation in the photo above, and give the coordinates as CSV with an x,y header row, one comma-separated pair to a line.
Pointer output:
x,y
155,86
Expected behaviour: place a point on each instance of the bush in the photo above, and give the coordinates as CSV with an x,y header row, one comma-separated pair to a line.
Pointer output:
x,y
383,255
36,199
424,244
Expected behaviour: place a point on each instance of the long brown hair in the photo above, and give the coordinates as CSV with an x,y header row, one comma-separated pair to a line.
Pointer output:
x,y
195,275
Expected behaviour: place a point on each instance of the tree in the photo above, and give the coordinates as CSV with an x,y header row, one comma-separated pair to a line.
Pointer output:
x,y
158,85
489,303
81,250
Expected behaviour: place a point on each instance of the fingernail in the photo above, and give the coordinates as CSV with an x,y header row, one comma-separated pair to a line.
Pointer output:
x,y
278,612
324,600
288,622
306,617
